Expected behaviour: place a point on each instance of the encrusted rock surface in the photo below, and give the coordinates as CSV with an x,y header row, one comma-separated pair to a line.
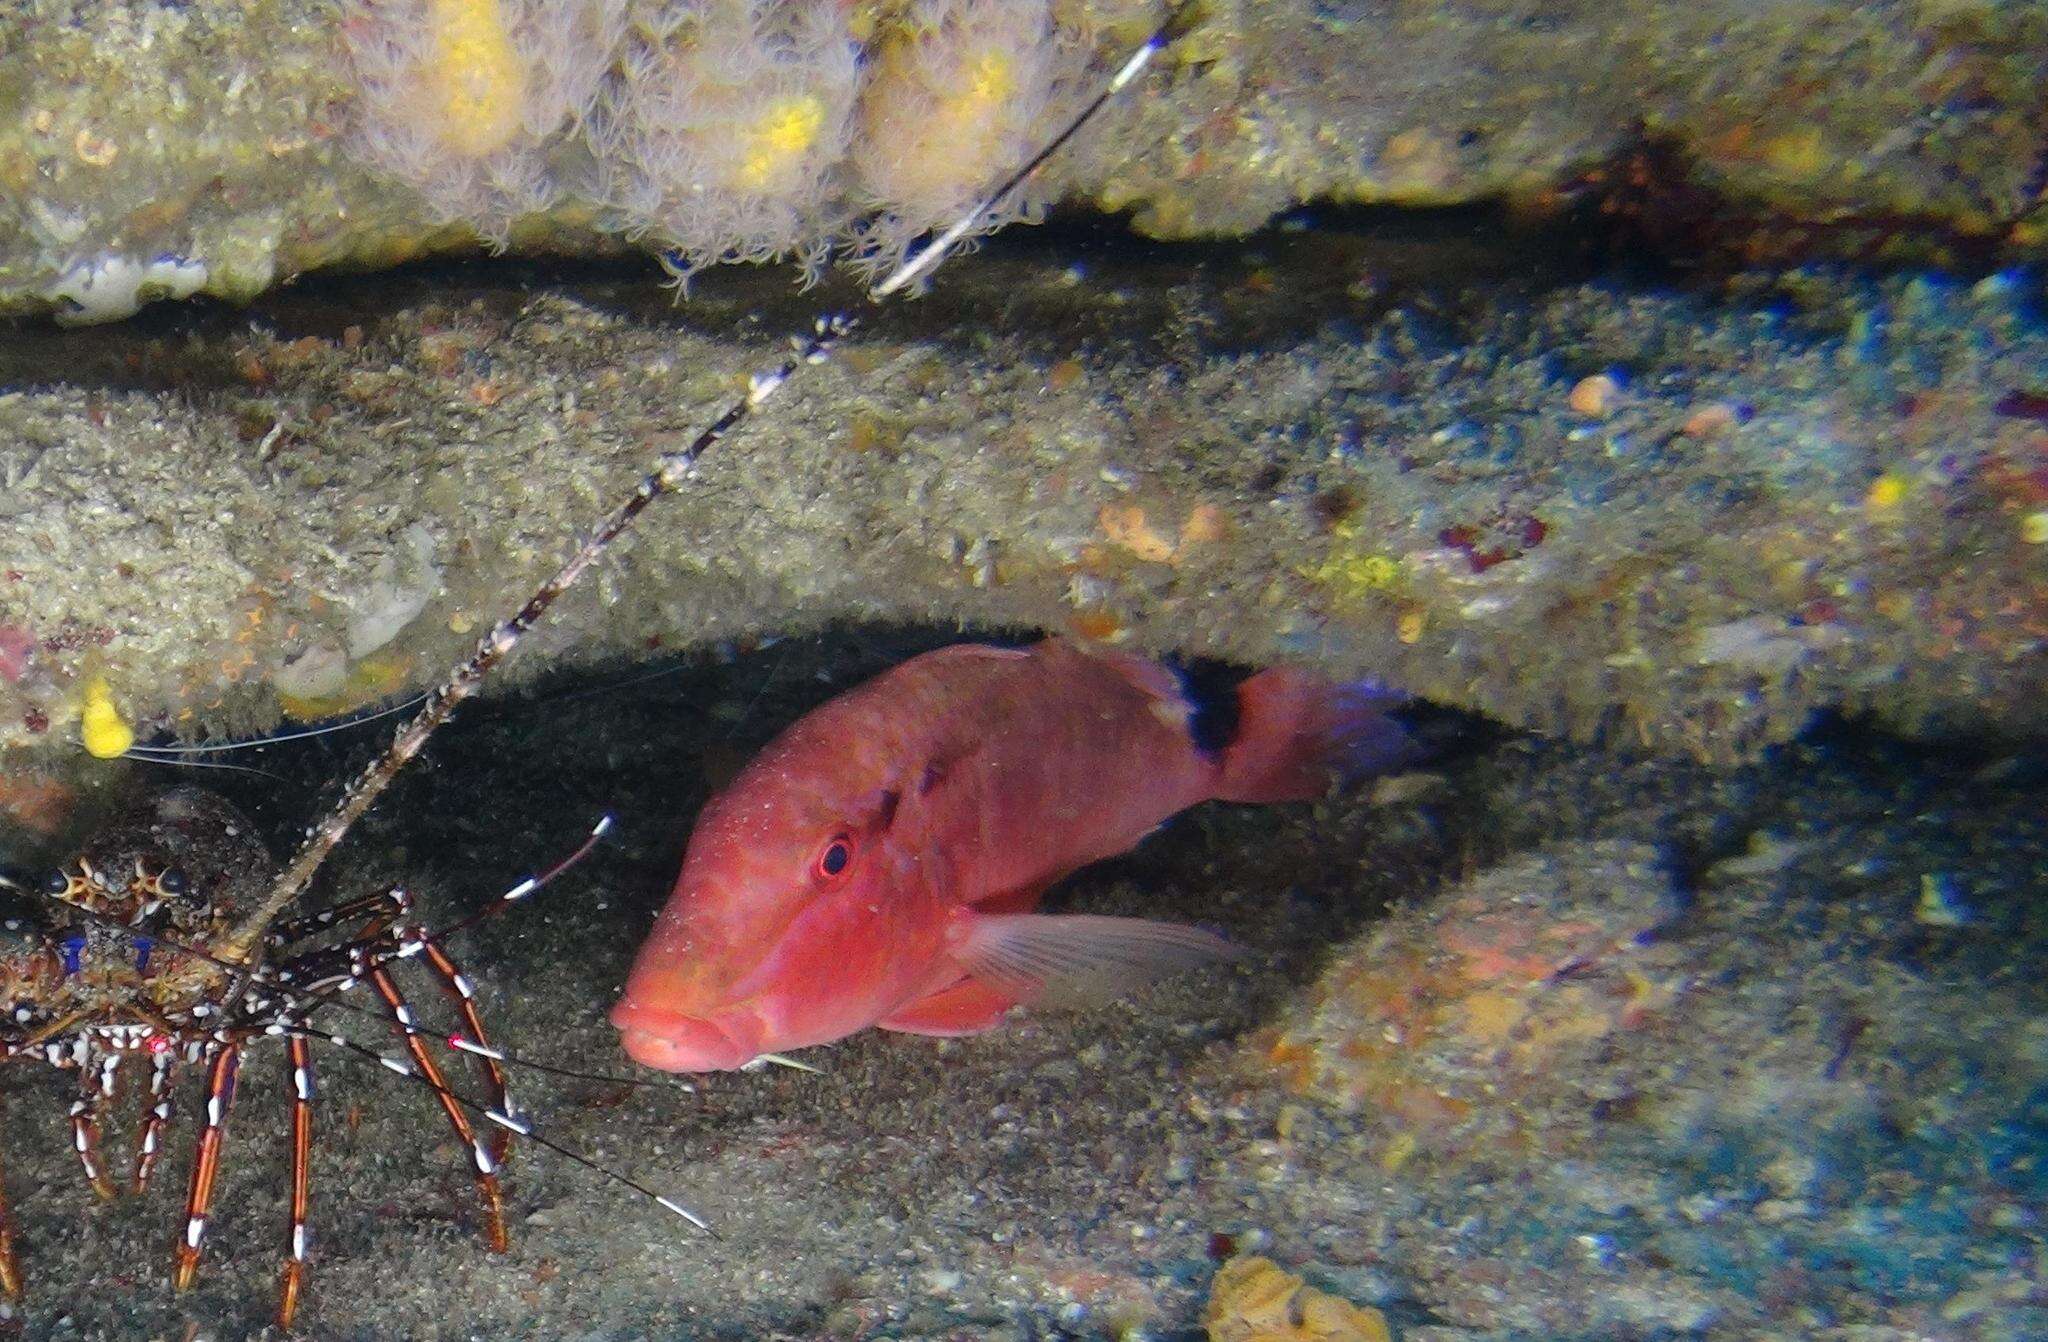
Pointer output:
x,y
220,146
1678,520
1766,1069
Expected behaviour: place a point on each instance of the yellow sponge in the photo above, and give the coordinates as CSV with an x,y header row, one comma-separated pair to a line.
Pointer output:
x,y
106,733
476,83
954,99
722,130
475,102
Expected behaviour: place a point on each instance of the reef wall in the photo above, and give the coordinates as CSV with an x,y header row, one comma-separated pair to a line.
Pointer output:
x,y
1681,521
224,146
1441,451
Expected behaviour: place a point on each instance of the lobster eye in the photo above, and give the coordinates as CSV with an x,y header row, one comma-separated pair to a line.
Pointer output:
x,y
837,857
55,882
172,881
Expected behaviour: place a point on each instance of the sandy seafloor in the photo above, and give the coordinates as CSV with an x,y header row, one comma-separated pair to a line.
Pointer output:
x,y
1079,1174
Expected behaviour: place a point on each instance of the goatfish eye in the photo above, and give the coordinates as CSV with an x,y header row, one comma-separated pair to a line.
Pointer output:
x,y
836,858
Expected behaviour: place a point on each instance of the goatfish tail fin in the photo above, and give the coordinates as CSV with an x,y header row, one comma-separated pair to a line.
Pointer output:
x,y
1296,730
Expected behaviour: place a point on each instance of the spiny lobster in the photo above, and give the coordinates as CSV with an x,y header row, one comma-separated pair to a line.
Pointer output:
x,y
166,939
125,962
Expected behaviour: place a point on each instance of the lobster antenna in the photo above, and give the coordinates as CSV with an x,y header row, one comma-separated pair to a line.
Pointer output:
x,y
670,473
1178,19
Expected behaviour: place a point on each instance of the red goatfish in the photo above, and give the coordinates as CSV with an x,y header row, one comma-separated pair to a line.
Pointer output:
x,y
880,861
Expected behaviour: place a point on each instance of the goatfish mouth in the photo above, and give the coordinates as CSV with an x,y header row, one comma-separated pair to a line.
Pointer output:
x,y
670,1041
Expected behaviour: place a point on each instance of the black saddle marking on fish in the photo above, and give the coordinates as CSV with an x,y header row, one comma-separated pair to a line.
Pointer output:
x,y
1213,710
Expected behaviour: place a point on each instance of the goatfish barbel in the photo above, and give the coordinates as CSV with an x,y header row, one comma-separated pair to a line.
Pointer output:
x,y
880,862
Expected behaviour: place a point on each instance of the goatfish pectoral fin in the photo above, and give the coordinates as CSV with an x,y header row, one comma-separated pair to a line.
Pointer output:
x,y
968,1007
1077,959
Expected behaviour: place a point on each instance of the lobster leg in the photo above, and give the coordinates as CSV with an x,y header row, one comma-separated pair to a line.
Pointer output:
x,y
150,1144
302,1174
464,996
381,941
10,1266
480,1152
220,1095
95,1084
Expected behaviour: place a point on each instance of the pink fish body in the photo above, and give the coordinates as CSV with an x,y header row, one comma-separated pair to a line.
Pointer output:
x,y
878,863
